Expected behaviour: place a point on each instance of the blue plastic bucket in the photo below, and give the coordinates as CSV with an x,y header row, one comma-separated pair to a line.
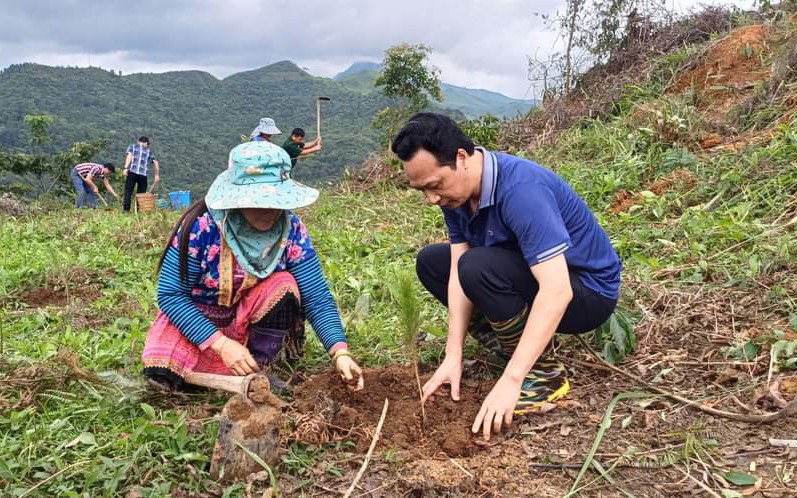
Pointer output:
x,y
180,200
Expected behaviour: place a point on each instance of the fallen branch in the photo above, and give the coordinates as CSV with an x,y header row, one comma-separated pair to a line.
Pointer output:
x,y
370,452
789,409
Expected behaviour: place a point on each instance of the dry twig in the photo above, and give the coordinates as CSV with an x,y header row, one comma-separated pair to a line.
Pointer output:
x,y
789,409
370,452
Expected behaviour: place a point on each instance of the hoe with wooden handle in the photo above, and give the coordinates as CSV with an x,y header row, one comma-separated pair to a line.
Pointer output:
x,y
230,383
249,424
318,101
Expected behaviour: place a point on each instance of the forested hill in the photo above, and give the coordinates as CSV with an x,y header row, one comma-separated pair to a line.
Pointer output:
x,y
192,118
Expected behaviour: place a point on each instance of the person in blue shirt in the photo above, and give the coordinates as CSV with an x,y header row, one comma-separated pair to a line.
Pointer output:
x,y
526,259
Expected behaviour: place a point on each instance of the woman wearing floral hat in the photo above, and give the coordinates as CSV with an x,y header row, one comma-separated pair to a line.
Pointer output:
x,y
239,276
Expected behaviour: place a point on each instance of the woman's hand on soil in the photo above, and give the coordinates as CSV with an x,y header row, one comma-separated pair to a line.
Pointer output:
x,y
350,372
449,372
235,356
498,407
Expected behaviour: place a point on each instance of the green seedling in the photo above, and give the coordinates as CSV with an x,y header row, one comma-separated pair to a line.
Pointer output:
x,y
410,318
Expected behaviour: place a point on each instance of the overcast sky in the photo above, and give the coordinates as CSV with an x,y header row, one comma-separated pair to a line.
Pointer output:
x,y
475,43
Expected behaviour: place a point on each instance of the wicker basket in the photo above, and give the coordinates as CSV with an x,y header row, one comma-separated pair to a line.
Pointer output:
x,y
146,201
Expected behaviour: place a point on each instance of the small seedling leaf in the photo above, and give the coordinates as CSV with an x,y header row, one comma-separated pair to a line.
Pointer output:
x,y
751,350
82,438
148,410
739,478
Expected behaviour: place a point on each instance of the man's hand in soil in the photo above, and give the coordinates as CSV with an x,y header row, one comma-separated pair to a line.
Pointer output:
x,y
498,407
449,372
350,372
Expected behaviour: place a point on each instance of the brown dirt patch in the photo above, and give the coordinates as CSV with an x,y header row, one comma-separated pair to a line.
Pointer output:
x,y
729,70
77,284
682,179
683,335
41,297
448,422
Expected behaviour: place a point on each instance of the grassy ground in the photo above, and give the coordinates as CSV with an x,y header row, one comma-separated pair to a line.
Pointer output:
x,y
76,437
708,245
103,439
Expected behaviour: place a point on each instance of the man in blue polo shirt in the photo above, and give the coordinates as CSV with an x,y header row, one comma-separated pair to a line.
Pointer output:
x,y
526,259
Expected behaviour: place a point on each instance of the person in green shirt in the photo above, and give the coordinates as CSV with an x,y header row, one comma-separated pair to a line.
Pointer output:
x,y
295,146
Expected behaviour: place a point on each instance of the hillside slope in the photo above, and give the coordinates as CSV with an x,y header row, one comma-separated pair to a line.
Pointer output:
x,y
192,118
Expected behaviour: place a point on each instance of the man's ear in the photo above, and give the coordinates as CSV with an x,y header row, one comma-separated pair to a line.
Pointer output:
x,y
462,155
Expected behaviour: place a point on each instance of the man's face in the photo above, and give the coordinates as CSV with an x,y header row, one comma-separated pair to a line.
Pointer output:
x,y
144,144
106,172
297,139
441,185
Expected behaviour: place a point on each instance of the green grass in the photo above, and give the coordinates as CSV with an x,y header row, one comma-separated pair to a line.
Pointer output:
x,y
84,439
105,440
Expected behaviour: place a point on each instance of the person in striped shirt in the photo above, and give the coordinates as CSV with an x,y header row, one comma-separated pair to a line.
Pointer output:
x,y
240,275
138,157
83,177
526,258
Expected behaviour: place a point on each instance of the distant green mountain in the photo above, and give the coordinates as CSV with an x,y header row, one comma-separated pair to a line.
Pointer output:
x,y
192,118
357,68
470,102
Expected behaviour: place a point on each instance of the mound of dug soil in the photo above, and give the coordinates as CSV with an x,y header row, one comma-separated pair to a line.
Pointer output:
x,y
730,70
355,414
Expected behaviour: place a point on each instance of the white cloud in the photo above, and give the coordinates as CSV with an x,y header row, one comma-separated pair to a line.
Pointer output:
x,y
476,43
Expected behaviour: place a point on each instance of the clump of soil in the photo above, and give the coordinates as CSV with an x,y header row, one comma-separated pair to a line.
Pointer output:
x,y
254,426
355,414
41,297
260,393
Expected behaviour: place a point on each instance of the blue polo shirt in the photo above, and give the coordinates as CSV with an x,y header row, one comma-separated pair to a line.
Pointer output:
x,y
527,207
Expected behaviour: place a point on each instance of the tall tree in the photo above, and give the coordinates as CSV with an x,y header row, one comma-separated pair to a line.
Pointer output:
x,y
407,77
571,19
406,74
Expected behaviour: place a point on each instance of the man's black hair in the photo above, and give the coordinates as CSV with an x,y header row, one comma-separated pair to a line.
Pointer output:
x,y
143,139
110,167
435,133
298,132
